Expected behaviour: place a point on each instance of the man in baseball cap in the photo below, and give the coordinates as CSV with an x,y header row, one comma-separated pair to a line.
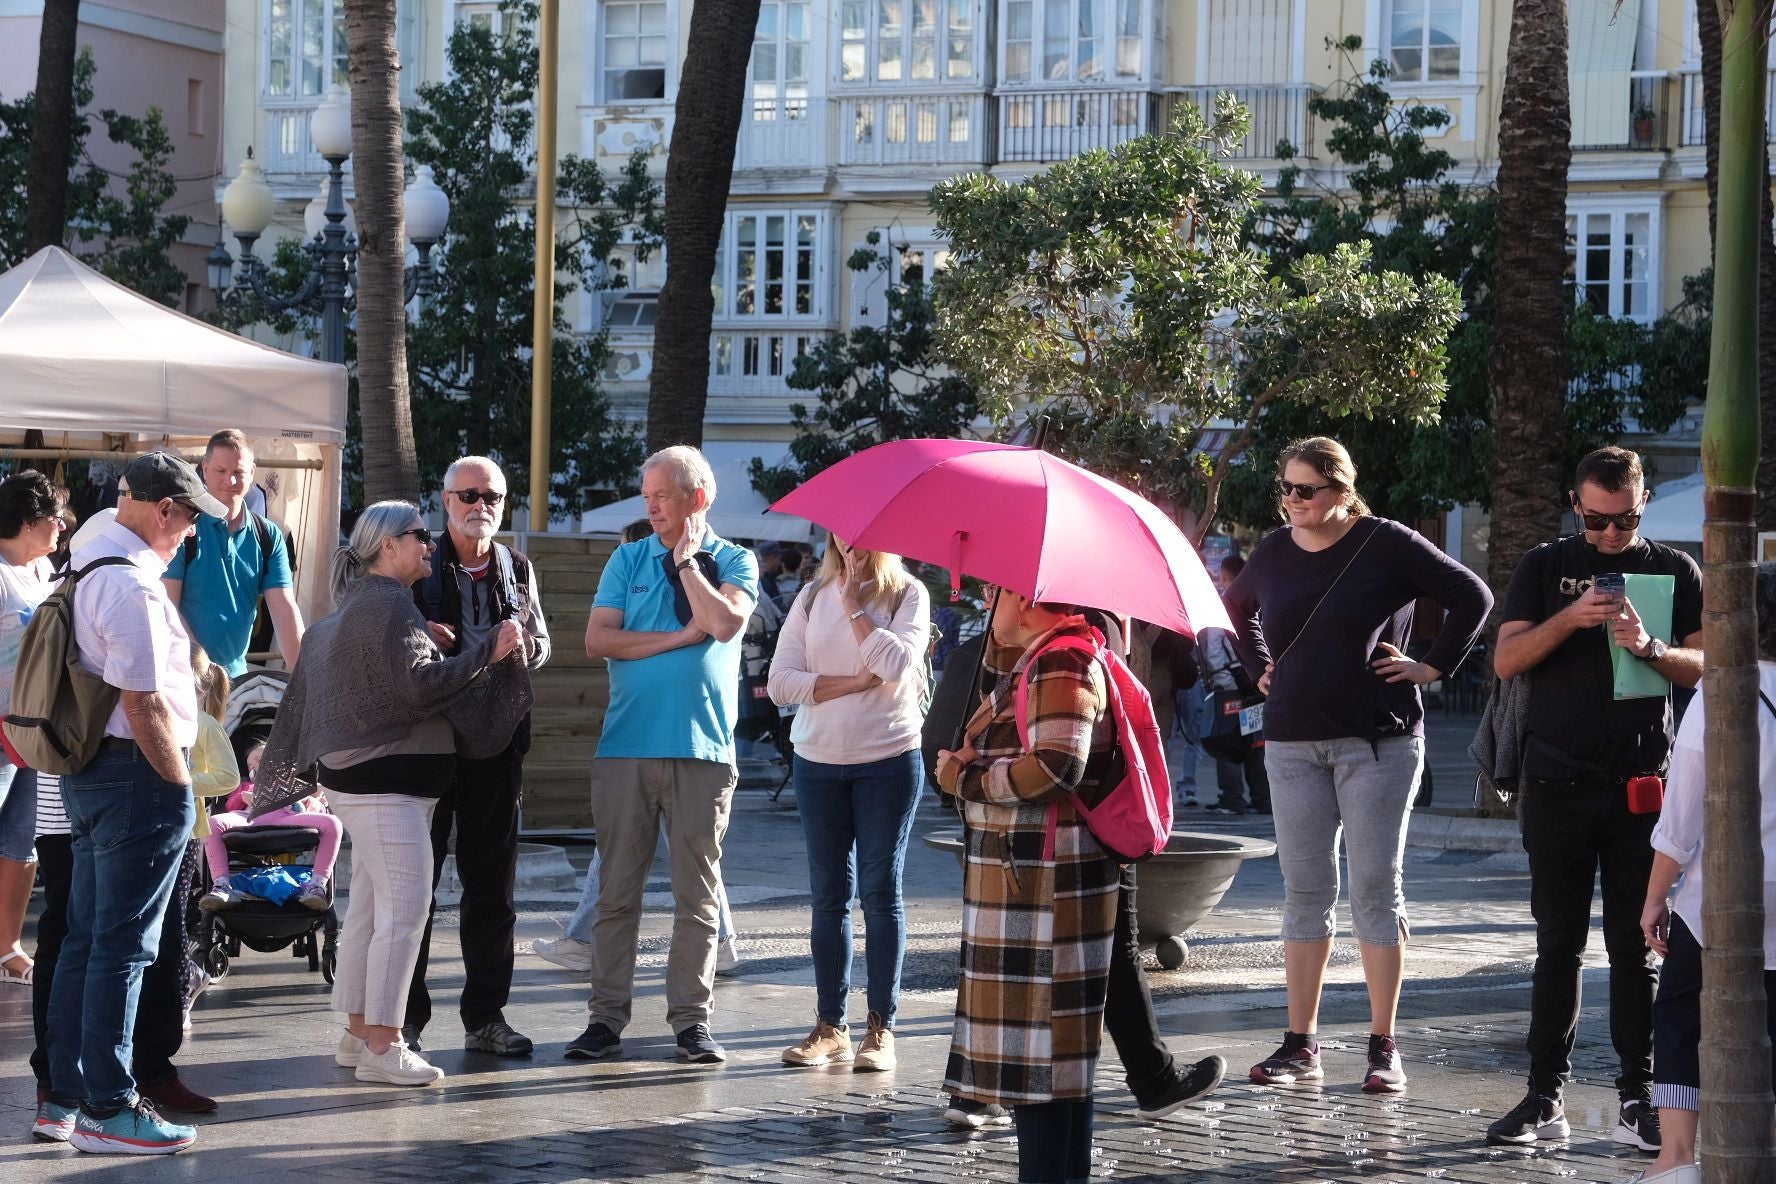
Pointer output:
x,y
157,476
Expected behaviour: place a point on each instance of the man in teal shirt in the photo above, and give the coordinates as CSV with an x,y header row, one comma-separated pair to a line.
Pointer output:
x,y
668,618
236,562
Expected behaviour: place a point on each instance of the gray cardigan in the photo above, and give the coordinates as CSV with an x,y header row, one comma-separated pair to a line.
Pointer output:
x,y
1498,742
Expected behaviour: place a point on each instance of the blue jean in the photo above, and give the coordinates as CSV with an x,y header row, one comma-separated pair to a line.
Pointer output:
x,y
856,820
129,829
18,813
579,925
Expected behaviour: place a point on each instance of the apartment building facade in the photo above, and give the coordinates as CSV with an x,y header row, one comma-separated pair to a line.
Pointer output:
x,y
855,108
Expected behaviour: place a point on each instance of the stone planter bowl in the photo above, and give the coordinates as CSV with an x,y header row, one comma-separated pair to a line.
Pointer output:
x,y
1178,886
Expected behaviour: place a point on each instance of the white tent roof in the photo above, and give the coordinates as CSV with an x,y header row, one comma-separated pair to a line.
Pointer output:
x,y
740,512
81,353
1675,513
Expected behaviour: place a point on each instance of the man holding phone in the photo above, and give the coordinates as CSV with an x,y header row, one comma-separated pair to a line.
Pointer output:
x,y
1590,787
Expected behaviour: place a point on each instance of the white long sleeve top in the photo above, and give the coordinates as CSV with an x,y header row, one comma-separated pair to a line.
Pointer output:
x,y
817,638
1679,833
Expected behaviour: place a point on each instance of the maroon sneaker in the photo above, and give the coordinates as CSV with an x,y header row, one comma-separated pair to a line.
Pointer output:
x,y
172,1094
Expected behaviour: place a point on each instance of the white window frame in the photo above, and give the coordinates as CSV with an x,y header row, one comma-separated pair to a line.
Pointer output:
x,y
946,31
1464,48
599,48
296,96
869,289
1149,35
781,97
819,280
1465,88
1619,209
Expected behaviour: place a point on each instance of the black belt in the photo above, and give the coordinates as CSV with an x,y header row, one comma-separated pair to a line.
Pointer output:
x,y
118,744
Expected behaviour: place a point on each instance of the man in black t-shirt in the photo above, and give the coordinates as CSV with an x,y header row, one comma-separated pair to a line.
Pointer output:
x,y
1582,747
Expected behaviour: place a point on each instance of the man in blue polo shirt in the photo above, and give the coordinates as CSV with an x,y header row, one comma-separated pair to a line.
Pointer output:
x,y
236,562
668,618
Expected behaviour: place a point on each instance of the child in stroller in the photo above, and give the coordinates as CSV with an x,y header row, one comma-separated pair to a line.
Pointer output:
x,y
231,917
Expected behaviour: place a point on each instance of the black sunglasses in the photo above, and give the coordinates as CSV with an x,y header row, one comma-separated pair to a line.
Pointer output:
x,y
469,497
1304,492
1602,522
421,533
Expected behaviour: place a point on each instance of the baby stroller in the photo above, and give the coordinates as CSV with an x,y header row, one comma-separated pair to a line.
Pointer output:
x,y
760,720
260,924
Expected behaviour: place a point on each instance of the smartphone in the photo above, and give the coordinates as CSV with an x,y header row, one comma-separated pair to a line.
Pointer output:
x,y
1612,584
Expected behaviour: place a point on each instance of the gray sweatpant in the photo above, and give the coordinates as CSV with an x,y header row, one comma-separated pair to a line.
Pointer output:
x,y
1322,788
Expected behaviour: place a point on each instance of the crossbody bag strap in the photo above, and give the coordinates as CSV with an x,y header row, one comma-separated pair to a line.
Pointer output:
x,y
1373,530
1771,706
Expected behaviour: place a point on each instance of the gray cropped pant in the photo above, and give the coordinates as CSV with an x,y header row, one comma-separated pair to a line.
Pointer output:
x,y
1320,789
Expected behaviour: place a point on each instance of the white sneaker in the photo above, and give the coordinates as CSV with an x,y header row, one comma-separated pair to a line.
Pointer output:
x,y
727,955
400,1065
568,952
351,1051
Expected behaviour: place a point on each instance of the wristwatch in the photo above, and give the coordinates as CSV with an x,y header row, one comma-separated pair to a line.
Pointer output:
x,y
686,563
1654,651
855,615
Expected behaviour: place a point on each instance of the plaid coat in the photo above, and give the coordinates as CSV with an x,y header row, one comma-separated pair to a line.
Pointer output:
x,y
1036,926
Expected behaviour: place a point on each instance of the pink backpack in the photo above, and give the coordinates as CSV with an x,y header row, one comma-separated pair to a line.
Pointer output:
x,y
1133,820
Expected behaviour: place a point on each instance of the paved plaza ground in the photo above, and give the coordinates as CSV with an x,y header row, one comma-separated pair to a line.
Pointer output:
x,y
263,1040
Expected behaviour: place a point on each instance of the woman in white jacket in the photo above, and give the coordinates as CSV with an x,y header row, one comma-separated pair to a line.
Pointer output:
x,y
851,656
1673,924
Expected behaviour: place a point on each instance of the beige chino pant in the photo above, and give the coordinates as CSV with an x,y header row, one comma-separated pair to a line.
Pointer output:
x,y
630,798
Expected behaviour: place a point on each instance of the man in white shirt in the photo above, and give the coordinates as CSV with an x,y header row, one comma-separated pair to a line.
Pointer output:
x,y
130,813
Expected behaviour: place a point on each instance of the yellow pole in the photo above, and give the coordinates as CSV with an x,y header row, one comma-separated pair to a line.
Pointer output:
x,y
543,309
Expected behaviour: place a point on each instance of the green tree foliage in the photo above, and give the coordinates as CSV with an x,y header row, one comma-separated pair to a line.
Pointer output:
x,y
115,223
1398,198
874,384
469,348
1120,293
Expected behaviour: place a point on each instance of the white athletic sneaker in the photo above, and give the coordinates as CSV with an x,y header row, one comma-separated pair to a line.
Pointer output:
x,y
568,952
351,1051
400,1065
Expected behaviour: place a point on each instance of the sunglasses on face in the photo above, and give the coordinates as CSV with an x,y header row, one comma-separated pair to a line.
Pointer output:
x,y
1601,522
469,497
419,532
1294,489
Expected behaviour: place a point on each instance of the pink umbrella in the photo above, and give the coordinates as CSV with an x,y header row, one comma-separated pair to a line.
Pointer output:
x,y
1019,517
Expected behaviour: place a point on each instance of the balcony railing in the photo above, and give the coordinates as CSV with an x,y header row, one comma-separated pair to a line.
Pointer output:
x,y
916,130
1694,133
288,149
1041,126
783,133
1645,125
1278,113
756,361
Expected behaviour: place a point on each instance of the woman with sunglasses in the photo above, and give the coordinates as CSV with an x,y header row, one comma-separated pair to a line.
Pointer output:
x,y
30,528
367,708
1325,608
852,655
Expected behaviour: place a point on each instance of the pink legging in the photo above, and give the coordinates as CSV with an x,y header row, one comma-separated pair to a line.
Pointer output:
x,y
325,824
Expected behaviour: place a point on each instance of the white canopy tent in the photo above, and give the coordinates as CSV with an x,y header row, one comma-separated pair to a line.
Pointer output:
x,y
103,373
740,512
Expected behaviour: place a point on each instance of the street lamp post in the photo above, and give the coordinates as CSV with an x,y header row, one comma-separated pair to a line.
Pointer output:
x,y
328,291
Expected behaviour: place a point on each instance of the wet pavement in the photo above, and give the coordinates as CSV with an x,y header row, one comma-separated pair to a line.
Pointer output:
x,y
263,1039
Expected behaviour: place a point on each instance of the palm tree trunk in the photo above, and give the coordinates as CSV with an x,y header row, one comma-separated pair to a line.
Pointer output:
x,y
1708,27
52,122
1528,358
391,466
699,168
1735,1133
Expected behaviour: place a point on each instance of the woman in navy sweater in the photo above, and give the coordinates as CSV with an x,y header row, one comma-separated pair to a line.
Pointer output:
x,y
1324,608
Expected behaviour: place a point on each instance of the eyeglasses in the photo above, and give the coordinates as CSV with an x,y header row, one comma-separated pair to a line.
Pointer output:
x,y
469,497
419,532
1304,492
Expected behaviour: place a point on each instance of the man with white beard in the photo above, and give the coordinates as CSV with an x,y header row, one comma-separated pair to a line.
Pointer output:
x,y
475,584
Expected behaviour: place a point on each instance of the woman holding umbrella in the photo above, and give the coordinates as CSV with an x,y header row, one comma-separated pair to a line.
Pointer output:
x,y
1040,893
1325,604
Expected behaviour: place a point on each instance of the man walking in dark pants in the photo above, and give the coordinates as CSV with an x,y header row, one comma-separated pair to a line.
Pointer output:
x,y
1591,779
475,584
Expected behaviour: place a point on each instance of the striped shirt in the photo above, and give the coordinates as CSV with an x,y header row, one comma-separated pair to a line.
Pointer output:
x,y
52,817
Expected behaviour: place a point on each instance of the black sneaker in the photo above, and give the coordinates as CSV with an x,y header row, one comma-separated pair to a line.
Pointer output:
x,y
498,1038
1201,1077
410,1037
974,1115
1535,1117
1297,1060
1638,1124
697,1046
596,1042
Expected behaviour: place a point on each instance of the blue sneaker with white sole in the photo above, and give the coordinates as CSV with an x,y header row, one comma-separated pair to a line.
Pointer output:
x,y
54,1123
134,1130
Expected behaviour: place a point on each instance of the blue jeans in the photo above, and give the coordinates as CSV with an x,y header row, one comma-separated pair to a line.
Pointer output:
x,y
856,820
18,813
129,830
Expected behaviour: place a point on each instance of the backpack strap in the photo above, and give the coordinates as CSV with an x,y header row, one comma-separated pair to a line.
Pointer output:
x,y
262,528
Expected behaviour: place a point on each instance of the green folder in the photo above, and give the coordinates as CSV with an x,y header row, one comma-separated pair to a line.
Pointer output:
x,y
1651,596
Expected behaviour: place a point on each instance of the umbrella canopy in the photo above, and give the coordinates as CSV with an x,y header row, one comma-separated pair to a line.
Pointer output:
x,y
1019,517
81,353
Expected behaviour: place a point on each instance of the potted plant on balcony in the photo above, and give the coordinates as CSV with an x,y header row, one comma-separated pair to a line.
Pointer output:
x,y
1643,127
